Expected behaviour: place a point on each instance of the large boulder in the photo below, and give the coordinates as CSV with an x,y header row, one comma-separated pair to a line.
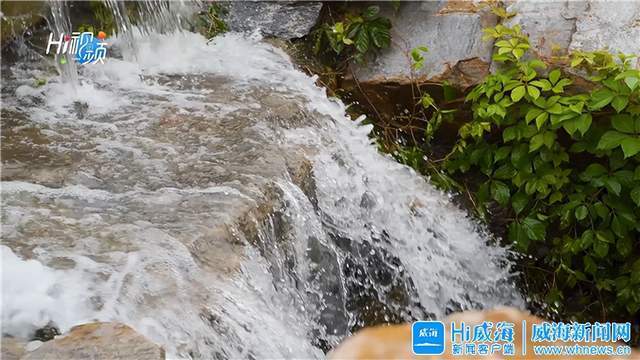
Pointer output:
x,y
452,30
98,341
558,27
283,19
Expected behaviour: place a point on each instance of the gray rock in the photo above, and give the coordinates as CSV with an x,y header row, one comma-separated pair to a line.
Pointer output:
x,y
451,30
98,341
615,26
558,27
549,24
280,19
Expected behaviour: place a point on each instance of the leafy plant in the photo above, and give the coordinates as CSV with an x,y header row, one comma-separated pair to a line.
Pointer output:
x,y
566,168
355,36
417,57
210,22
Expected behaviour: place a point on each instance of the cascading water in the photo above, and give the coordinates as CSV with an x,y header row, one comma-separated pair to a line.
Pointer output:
x,y
211,196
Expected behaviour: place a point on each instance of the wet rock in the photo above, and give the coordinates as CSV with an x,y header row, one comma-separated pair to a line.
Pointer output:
x,y
283,19
558,27
452,30
98,341
46,333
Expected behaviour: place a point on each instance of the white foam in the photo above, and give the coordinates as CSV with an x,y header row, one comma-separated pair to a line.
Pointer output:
x,y
34,295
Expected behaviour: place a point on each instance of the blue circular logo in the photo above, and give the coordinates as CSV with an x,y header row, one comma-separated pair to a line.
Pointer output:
x,y
87,50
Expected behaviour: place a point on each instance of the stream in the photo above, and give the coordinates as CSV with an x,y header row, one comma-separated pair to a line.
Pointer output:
x,y
210,195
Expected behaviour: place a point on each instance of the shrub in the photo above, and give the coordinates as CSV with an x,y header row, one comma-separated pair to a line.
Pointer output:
x,y
355,36
565,166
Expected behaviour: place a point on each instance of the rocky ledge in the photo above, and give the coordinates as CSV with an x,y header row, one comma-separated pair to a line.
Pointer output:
x,y
96,341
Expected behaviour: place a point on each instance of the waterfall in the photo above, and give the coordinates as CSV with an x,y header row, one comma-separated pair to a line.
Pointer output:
x,y
212,197
158,17
60,23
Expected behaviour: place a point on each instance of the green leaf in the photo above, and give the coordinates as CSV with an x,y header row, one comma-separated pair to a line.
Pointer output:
x,y
379,32
632,82
517,93
583,123
570,126
601,209
502,153
536,142
559,88
532,114
542,84
601,98
519,201
534,228
555,109
541,119
577,108
533,91
623,123
635,195
519,157
500,192
509,134
611,139
618,228
601,249
624,246
620,102
630,146
581,212
518,236
549,139
590,266
613,185
371,11
518,53
554,75
593,171
362,41
505,172
555,197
